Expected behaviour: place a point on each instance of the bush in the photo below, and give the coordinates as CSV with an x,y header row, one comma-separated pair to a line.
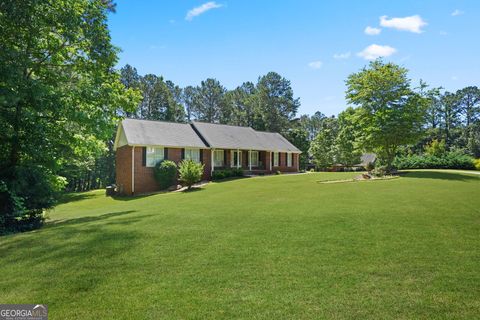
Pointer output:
x,y
476,163
312,170
370,166
190,172
227,173
379,171
165,173
278,172
25,193
451,160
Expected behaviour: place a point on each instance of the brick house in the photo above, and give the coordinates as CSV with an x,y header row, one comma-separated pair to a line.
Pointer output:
x,y
140,144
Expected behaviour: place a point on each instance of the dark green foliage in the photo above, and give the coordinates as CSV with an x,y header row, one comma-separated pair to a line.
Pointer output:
x,y
165,173
26,193
60,98
451,160
190,172
227,173
298,136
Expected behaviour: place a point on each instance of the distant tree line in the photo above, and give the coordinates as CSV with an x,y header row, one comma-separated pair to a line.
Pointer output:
x,y
395,120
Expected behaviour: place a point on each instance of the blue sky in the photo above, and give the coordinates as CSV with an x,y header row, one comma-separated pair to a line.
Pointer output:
x,y
314,44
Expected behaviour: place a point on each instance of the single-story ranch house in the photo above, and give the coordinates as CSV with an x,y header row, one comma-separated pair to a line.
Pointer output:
x,y
140,144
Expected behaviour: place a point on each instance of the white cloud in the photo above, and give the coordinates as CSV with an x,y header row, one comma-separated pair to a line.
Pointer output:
x,y
315,64
375,51
412,23
340,56
371,31
457,12
202,9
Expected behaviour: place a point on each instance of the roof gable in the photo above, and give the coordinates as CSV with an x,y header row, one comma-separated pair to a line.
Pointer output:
x,y
160,133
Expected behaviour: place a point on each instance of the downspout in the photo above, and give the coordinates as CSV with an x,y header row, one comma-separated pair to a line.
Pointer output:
x,y
133,169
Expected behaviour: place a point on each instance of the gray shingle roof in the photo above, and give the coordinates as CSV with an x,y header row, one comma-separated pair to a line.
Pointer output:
x,y
234,137
160,133
201,135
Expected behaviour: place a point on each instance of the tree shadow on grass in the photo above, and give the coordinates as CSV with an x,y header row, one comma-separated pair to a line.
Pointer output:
x,y
440,175
72,197
69,257
58,223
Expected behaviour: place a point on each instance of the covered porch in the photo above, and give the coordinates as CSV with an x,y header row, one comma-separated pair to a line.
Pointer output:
x,y
254,161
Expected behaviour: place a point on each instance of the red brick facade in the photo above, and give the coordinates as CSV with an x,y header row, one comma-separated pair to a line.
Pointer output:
x,y
144,177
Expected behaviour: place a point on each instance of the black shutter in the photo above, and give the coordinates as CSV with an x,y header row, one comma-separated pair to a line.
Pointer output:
x,y
165,153
225,158
201,156
183,153
272,155
144,156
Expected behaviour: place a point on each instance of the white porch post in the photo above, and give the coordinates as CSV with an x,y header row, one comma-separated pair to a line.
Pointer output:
x,y
133,169
212,163
250,160
270,162
238,158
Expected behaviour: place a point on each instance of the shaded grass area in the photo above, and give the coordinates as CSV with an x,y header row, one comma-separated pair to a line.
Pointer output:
x,y
277,247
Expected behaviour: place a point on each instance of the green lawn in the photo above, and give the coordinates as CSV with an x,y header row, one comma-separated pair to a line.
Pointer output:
x,y
279,247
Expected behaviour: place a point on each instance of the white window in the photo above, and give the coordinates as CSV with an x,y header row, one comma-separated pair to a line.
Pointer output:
x,y
254,158
154,156
234,157
218,158
275,159
289,159
192,154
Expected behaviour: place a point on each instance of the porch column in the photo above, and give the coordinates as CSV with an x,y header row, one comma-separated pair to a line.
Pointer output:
x,y
212,163
250,160
270,162
238,158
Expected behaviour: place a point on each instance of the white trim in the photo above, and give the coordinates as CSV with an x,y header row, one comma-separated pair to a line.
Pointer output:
x,y
212,164
250,160
289,157
270,162
133,169
239,154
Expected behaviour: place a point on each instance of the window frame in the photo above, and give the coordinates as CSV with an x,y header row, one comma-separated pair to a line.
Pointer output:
x,y
233,163
156,156
289,159
251,158
187,154
276,158
215,163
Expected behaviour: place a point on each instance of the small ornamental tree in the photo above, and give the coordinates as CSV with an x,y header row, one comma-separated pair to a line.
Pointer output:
x,y
190,172
165,172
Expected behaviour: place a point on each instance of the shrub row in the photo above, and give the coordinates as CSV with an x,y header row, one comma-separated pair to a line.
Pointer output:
x,y
451,160
227,173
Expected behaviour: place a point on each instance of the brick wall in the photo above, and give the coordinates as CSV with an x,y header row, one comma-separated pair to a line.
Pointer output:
x,y
144,178
123,169
282,163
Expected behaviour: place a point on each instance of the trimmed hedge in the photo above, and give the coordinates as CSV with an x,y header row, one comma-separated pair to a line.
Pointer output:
x,y
227,173
165,173
451,160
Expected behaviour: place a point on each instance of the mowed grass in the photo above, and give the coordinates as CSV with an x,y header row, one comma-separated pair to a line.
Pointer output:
x,y
279,247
